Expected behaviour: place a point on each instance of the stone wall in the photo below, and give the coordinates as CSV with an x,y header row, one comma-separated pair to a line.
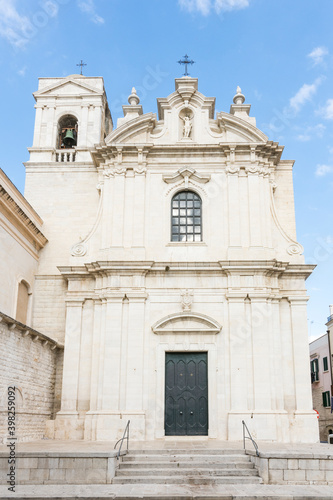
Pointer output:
x,y
49,306
28,362
61,468
295,468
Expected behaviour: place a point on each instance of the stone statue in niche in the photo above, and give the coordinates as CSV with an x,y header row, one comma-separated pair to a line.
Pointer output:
x,y
187,127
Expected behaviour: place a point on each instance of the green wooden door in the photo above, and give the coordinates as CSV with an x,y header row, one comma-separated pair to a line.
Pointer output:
x,y
186,394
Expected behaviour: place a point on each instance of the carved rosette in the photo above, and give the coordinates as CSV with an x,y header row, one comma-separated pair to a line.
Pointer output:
x,y
79,250
295,249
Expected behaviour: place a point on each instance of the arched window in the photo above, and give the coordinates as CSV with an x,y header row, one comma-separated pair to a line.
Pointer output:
x,y
186,217
22,302
67,132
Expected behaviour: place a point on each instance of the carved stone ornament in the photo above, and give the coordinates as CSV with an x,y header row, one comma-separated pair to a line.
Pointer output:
x,y
186,299
108,173
119,170
140,170
186,173
295,249
252,169
79,250
232,169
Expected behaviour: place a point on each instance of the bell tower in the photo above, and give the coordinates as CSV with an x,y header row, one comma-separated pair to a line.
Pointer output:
x,y
72,115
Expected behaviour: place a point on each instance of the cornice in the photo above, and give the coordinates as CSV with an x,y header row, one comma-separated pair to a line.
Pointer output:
x,y
20,213
25,330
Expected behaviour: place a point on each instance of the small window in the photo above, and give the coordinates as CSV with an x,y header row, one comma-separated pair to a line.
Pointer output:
x,y
314,370
186,217
325,364
22,302
326,399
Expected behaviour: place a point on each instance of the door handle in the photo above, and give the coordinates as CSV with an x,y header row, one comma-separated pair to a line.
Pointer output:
x,y
180,413
191,412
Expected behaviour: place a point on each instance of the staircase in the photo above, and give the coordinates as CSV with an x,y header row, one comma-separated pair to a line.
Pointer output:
x,y
186,467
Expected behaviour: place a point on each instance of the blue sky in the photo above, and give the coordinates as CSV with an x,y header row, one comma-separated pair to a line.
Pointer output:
x,y
279,51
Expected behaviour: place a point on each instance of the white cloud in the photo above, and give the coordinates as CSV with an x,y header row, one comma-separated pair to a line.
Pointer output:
x,y
227,5
327,110
311,132
17,28
88,7
304,94
318,54
14,27
205,6
22,71
323,170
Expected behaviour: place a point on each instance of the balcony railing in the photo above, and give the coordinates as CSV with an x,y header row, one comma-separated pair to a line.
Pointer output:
x,y
330,318
65,155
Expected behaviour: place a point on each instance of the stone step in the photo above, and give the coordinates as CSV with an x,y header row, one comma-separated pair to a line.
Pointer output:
x,y
186,451
188,458
186,472
184,464
187,480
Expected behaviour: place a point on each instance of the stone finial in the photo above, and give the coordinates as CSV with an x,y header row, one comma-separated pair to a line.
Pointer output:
x,y
239,98
133,99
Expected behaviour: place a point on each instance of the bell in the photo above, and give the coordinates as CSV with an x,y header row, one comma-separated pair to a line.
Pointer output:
x,y
69,140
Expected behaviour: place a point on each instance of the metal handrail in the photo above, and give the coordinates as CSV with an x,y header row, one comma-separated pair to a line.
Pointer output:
x,y
245,427
125,436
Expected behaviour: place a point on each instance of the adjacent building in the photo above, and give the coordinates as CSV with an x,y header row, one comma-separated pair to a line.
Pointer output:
x,y
322,381
28,358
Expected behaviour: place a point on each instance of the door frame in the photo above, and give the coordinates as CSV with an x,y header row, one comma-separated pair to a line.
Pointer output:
x,y
211,350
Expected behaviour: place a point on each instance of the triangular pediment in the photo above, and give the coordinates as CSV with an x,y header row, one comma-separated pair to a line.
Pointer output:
x,y
68,87
186,323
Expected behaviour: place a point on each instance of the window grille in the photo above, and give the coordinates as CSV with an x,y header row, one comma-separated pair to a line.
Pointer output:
x,y
186,217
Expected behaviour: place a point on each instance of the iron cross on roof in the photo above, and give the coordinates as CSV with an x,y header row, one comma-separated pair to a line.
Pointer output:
x,y
81,64
186,61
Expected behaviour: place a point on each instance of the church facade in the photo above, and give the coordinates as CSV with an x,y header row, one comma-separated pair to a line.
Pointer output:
x,y
172,273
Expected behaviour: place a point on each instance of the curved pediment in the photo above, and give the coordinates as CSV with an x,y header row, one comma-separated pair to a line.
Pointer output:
x,y
186,107
240,128
186,322
135,130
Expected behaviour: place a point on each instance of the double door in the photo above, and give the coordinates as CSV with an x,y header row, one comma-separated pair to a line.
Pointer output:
x,y
186,394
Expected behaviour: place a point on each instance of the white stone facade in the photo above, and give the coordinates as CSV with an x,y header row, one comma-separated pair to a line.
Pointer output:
x,y
121,294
